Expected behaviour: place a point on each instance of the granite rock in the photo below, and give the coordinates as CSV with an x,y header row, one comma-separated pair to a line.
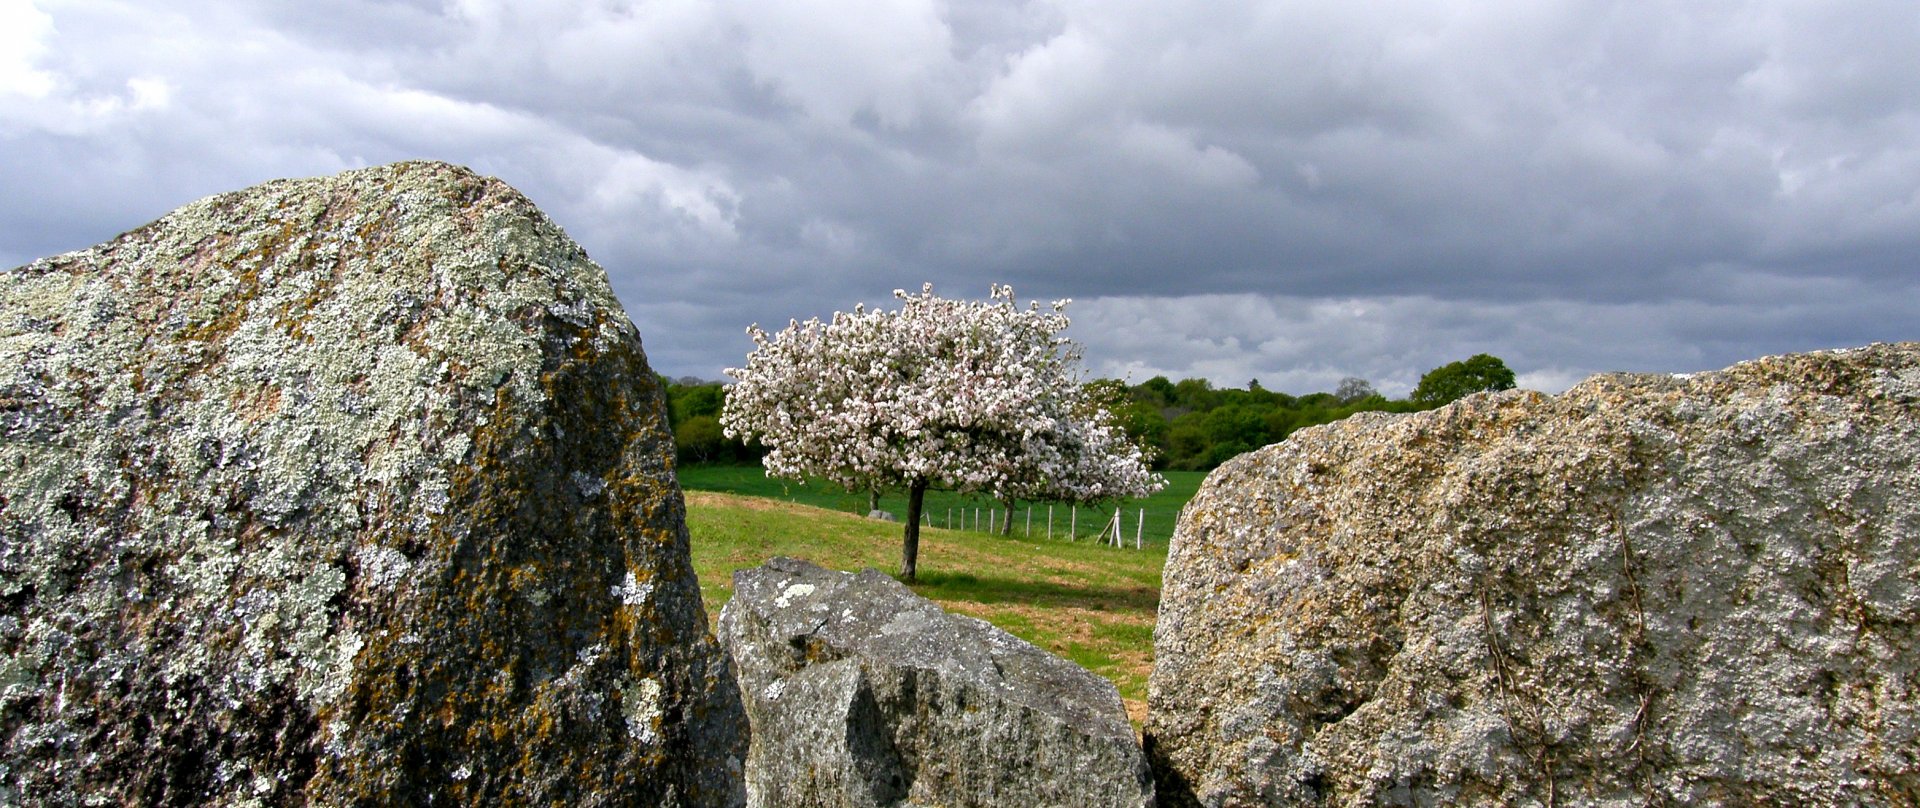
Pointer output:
x,y
346,490
1651,589
861,693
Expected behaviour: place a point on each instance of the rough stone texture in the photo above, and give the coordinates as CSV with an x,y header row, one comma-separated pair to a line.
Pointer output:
x,y
1696,590
862,693
351,490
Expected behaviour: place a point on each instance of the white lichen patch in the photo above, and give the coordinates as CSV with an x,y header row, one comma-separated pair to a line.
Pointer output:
x,y
382,567
641,707
325,680
579,673
792,591
632,592
589,486
17,680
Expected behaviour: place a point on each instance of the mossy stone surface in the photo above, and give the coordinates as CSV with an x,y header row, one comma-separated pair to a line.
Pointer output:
x,y
345,490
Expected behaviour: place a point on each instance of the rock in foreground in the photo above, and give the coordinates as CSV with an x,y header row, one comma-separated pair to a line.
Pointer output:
x,y
862,693
345,491
1648,590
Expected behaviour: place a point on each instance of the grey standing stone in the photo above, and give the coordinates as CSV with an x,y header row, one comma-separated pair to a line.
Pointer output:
x,y
862,693
1651,589
352,490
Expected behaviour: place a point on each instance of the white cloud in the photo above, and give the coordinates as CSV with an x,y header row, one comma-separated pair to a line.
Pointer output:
x,y
1178,154
581,54
24,30
838,59
37,98
1046,94
652,197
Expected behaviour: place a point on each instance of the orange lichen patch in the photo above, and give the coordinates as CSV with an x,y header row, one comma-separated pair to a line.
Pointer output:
x,y
209,252
255,403
233,310
527,576
293,315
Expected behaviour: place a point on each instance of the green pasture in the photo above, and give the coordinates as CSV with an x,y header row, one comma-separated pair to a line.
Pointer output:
x,y
946,509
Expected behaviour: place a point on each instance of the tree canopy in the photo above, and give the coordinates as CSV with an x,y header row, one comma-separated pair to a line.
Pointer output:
x,y
1456,380
975,396
1353,389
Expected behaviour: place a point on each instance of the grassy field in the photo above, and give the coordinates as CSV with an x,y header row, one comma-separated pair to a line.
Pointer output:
x,y
1092,604
946,509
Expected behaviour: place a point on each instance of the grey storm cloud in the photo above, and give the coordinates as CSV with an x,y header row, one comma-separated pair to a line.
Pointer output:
x,y
1293,191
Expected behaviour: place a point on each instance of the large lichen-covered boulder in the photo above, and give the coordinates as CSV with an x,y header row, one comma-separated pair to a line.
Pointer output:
x,y
862,693
1691,590
352,490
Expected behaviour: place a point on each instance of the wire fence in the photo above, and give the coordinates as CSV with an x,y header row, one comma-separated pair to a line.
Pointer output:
x,y
1112,528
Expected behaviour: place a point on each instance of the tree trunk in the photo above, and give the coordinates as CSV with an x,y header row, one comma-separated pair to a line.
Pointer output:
x,y
910,544
873,500
1006,525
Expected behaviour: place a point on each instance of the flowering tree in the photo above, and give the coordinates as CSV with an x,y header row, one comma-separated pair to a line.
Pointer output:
x,y
1088,459
964,395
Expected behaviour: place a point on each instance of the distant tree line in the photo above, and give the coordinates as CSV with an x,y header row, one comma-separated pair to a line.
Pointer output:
x,y
693,409
1191,425
1184,425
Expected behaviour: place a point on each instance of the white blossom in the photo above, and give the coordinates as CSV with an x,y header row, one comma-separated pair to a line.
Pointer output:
x,y
974,396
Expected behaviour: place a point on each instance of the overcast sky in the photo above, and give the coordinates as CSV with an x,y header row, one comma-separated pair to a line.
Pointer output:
x,y
1232,189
